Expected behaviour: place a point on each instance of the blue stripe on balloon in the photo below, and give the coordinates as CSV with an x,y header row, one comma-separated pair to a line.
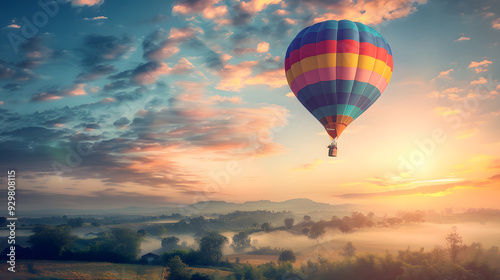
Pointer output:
x,y
333,86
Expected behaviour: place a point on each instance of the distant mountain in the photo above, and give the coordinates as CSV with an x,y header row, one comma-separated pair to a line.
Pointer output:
x,y
206,208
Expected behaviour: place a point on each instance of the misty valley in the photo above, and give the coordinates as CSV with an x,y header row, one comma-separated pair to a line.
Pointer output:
x,y
322,243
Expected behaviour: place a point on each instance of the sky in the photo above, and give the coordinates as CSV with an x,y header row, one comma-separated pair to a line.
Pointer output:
x,y
110,104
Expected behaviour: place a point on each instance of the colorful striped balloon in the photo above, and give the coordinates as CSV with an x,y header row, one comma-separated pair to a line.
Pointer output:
x,y
337,70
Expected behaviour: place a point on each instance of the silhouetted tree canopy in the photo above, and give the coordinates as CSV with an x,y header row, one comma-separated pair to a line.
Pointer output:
x,y
287,256
50,242
241,241
211,245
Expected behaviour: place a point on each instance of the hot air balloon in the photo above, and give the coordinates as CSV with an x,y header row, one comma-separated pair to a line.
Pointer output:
x,y
337,70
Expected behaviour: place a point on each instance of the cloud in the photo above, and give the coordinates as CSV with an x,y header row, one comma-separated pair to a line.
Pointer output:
x,y
149,72
86,2
496,23
447,111
272,78
480,66
452,90
255,6
233,76
182,67
98,49
244,12
261,48
77,89
463,38
159,45
290,94
45,96
35,53
13,25
480,81
95,72
140,129
55,94
281,12
444,74
308,166
364,11
96,18
206,8
468,133
225,99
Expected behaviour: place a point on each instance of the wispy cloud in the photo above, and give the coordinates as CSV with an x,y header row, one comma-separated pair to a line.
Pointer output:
x,y
309,166
463,38
496,23
480,66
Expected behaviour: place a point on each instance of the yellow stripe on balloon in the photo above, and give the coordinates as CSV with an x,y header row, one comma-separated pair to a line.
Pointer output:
x,y
338,59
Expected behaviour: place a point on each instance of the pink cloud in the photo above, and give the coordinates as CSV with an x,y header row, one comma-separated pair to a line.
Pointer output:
x,y
183,66
86,2
480,66
205,7
480,81
150,74
77,89
452,90
255,6
463,38
367,11
162,48
273,79
262,47
444,74
214,12
44,96
496,23
280,12
233,76
308,166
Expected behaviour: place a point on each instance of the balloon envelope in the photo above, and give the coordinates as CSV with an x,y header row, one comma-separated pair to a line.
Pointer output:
x,y
337,70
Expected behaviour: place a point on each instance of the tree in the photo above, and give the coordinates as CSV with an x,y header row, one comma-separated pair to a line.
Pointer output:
x,y
317,230
454,244
170,243
241,241
211,245
307,218
125,243
75,222
266,227
289,222
348,250
287,256
178,269
156,230
50,242
198,225
142,232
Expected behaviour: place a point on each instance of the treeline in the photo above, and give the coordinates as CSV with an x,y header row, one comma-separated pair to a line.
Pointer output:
x,y
350,223
58,243
471,262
